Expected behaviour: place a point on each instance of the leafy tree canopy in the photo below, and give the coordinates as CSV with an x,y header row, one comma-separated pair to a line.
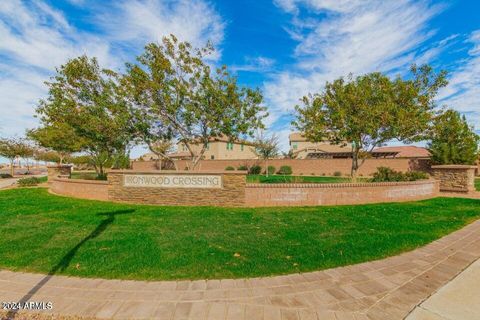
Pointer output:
x,y
91,101
266,148
59,137
12,148
369,110
176,93
453,141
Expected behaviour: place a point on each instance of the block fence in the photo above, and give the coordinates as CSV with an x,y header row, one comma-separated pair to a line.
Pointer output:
x,y
307,167
233,191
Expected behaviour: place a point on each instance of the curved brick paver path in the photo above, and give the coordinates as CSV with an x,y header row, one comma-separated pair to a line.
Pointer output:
x,y
384,289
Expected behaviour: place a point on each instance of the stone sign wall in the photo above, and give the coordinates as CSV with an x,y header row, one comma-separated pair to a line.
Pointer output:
x,y
56,171
455,178
178,188
172,181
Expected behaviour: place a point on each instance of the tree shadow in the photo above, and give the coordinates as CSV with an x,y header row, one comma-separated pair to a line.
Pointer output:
x,y
67,258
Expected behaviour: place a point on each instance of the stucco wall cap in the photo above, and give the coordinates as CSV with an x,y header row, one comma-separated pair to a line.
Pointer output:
x,y
453,166
60,166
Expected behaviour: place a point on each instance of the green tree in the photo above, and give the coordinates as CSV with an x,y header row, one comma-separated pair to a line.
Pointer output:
x,y
59,137
266,148
13,148
370,110
26,151
174,85
46,155
453,141
91,101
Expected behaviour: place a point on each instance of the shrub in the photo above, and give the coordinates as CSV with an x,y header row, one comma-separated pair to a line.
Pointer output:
x,y
5,176
271,169
102,177
416,175
286,170
337,174
385,174
28,182
256,169
229,168
243,168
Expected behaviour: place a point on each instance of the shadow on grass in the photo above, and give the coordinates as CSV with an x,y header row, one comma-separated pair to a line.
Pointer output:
x,y
67,259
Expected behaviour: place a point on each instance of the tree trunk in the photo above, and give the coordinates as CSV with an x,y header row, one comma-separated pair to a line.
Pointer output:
x,y
12,169
266,167
354,165
196,160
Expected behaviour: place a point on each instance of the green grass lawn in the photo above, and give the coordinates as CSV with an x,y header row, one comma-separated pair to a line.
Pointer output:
x,y
298,179
86,175
477,184
58,235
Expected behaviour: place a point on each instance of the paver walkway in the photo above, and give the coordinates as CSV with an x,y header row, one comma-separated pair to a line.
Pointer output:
x,y
457,300
383,289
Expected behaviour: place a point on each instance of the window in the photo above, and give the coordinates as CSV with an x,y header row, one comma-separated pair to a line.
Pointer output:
x,y
295,146
241,147
229,146
212,157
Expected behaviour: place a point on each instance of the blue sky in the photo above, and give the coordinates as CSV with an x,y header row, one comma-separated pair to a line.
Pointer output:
x,y
287,48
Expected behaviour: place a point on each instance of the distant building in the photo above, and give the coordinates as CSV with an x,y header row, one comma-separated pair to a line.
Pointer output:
x,y
219,148
304,149
401,152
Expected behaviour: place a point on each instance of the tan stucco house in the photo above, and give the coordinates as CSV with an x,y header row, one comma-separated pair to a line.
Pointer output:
x,y
304,149
220,148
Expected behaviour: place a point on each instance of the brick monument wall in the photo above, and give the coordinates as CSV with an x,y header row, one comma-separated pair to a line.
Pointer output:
x,y
231,193
77,188
455,178
234,192
271,195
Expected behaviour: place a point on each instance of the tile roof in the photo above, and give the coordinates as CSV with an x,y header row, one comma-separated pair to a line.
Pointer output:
x,y
406,151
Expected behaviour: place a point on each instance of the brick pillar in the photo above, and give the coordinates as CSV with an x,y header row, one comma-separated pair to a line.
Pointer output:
x,y
56,171
455,178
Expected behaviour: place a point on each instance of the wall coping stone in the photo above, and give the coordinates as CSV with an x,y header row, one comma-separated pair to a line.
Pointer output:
x,y
181,172
82,181
454,166
338,185
60,166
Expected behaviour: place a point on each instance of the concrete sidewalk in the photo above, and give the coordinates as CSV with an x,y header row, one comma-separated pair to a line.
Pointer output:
x,y
458,300
5,183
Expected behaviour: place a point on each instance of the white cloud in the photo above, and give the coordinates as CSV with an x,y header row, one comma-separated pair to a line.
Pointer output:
x,y
40,36
319,5
137,22
342,37
463,91
257,64
36,38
